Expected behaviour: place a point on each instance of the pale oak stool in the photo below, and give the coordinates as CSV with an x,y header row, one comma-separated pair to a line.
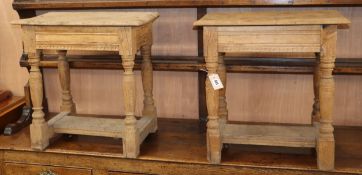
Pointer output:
x,y
123,32
298,31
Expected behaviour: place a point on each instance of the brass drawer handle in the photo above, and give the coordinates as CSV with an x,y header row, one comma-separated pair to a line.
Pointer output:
x,y
47,172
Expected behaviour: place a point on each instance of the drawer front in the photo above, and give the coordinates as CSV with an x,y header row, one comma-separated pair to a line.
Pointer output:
x,y
77,41
124,173
269,39
77,38
24,169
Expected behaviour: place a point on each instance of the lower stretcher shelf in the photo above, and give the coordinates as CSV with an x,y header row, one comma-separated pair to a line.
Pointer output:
x,y
271,135
94,126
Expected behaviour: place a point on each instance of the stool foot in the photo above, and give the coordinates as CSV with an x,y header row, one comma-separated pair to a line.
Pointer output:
x,y
325,154
131,146
39,136
214,147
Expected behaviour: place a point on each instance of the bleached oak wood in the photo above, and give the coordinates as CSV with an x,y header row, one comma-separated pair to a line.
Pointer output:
x,y
38,128
52,121
223,111
91,19
302,31
146,125
94,38
273,135
144,39
57,117
213,134
149,108
271,39
64,78
325,144
131,139
94,126
267,18
125,32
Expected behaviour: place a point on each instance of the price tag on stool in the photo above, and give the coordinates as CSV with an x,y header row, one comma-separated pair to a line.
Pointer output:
x,y
215,81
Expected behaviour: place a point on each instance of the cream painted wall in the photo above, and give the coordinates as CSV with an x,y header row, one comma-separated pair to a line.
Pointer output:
x,y
12,76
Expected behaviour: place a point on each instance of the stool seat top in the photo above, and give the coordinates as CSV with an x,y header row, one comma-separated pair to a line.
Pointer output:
x,y
273,18
90,19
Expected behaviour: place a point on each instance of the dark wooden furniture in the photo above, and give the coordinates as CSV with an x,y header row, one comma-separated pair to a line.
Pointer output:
x,y
177,149
10,108
4,95
25,118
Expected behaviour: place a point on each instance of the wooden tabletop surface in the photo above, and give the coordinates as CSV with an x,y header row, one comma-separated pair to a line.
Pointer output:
x,y
273,18
91,19
84,4
7,105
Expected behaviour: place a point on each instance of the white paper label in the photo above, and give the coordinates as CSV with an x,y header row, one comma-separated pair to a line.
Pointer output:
x,y
215,81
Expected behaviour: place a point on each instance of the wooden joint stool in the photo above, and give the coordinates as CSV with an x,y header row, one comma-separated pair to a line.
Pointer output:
x,y
287,32
123,32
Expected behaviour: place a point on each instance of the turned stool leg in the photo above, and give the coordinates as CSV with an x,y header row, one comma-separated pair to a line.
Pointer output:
x,y
214,144
316,82
131,140
325,143
223,112
38,128
213,133
64,77
149,108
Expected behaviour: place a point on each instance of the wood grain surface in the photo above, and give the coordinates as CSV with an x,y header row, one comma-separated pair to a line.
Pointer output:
x,y
90,19
273,18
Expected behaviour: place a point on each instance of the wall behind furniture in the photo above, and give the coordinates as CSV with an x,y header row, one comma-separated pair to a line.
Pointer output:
x,y
12,77
251,97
